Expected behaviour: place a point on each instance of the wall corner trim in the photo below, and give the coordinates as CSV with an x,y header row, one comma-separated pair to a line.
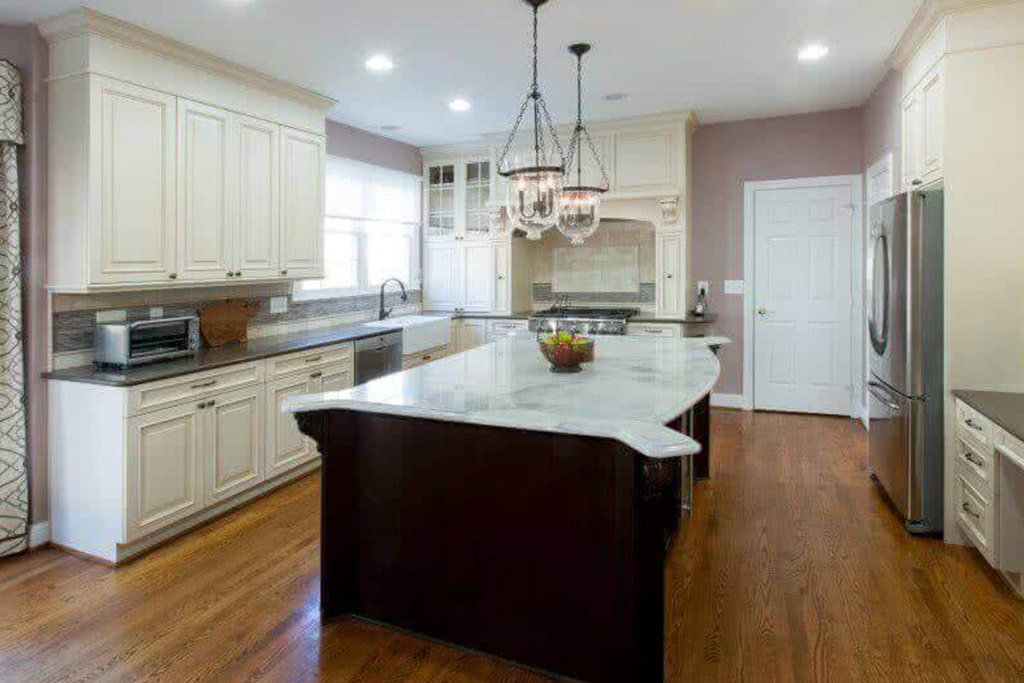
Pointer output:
x,y
733,401
38,534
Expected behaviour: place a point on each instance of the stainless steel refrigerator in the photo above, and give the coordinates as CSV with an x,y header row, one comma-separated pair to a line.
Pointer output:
x,y
905,325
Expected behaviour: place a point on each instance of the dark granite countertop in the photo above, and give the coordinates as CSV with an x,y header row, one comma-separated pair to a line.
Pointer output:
x,y
210,359
521,315
689,319
1005,409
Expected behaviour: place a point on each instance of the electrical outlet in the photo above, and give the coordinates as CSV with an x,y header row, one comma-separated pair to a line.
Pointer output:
x,y
156,312
112,316
278,304
733,286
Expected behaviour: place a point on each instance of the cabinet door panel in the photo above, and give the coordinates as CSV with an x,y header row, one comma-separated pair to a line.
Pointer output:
x,y
439,276
302,204
933,122
671,297
337,378
286,447
204,211
164,480
502,283
258,177
913,124
233,444
645,162
135,188
477,277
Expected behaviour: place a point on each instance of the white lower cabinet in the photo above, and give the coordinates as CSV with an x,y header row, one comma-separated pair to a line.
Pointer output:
x,y
164,456
164,475
232,431
471,334
286,445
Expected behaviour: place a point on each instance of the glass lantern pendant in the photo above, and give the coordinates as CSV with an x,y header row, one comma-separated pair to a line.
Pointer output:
x,y
579,210
535,178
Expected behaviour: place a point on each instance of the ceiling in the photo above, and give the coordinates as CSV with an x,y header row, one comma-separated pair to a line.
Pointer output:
x,y
725,59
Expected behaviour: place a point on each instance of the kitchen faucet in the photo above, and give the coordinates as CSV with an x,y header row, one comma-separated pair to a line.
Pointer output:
x,y
385,312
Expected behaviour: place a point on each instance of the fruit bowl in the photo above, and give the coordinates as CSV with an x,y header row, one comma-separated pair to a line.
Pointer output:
x,y
566,351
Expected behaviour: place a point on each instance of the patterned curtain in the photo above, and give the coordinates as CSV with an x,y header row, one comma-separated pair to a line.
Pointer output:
x,y
13,458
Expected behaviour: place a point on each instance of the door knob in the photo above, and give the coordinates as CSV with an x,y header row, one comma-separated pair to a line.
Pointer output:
x,y
762,311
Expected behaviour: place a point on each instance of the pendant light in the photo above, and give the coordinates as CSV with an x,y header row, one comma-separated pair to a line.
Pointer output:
x,y
579,211
534,179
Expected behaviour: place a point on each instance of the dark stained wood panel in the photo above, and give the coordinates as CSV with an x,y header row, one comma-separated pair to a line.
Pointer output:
x,y
792,569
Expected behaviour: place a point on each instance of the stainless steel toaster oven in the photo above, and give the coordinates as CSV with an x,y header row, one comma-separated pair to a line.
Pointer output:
x,y
130,344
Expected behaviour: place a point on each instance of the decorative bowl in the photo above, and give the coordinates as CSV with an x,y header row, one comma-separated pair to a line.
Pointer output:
x,y
566,351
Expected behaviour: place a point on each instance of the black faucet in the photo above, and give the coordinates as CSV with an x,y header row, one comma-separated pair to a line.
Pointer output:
x,y
385,312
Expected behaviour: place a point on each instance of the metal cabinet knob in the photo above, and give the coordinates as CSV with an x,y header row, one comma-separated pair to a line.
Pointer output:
x,y
284,272
173,276
230,274
669,276
238,273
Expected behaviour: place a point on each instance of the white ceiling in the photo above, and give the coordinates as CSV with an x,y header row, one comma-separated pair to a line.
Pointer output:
x,y
726,59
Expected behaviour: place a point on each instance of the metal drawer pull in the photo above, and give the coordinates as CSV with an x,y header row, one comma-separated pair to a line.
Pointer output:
x,y
967,508
971,459
201,405
203,385
315,360
974,425
210,404
316,374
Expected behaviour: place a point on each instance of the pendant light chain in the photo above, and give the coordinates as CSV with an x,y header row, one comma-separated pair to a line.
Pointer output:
x,y
580,133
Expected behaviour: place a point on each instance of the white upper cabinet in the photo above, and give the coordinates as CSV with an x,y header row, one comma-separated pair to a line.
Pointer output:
x,y
131,184
477,282
670,248
440,276
924,130
439,200
258,220
168,166
476,194
646,161
302,204
204,193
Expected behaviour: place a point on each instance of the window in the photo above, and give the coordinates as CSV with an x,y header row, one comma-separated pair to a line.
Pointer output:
x,y
371,230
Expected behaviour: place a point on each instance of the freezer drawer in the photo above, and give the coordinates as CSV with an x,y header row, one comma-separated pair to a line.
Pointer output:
x,y
889,445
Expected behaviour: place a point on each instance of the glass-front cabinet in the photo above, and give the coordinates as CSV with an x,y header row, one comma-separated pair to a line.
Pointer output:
x,y
440,201
456,198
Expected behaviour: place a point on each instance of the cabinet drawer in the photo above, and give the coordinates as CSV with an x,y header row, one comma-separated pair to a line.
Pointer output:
x,y
170,392
503,328
978,461
975,513
1010,447
279,366
652,330
974,425
416,359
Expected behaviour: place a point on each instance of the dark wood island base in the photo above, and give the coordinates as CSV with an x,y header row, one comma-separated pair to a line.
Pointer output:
x,y
540,548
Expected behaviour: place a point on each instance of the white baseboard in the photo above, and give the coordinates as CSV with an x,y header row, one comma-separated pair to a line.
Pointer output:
x,y
735,401
862,415
38,534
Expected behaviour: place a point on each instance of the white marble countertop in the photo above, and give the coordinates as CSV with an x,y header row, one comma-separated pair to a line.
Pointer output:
x,y
635,386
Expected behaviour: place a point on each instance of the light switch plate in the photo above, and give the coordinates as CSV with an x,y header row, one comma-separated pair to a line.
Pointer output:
x,y
156,312
118,315
703,287
733,286
278,304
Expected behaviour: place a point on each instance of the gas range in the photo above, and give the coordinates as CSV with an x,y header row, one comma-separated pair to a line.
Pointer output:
x,y
582,320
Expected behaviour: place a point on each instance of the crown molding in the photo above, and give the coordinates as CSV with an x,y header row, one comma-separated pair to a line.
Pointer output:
x,y
924,22
85,21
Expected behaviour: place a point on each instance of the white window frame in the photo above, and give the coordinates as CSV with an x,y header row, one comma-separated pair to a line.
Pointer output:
x,y
363,287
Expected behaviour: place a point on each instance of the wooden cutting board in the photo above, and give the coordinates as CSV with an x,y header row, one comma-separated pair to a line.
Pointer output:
x,y
226,322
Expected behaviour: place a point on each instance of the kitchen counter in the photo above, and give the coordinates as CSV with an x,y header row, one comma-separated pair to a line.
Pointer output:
x,y
210,359
633,389
1005,409
688,319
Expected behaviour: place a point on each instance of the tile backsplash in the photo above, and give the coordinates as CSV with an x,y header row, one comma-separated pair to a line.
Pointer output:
x,y
73,329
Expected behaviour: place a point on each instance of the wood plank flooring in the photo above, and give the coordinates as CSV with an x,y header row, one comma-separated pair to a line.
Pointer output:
x,y
791,569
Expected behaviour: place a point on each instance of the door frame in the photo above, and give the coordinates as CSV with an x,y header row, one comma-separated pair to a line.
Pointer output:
x,y
857,324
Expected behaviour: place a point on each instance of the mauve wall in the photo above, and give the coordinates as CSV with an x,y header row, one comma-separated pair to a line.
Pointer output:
x,y
726,155
26,49
353,143
882,124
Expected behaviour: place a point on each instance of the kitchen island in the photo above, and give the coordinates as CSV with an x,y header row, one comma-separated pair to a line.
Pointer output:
x,y
483,501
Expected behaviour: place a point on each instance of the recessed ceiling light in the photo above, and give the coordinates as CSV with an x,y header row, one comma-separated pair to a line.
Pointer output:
x,y
615,96
812,52
390,126
460,104
380,63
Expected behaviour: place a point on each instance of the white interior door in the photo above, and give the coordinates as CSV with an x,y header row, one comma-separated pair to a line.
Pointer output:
x,y
802,299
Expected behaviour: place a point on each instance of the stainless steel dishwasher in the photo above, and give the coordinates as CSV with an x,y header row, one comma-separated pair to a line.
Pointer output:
x,y
377,356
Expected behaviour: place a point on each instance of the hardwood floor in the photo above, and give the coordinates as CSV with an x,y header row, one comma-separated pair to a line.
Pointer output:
x,y
791,569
